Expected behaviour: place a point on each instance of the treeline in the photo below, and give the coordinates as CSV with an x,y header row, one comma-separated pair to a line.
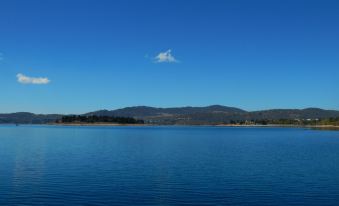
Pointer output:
x,y
327,121
98,119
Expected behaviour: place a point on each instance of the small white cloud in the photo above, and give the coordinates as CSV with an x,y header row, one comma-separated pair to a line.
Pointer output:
x,y
165,57
31,80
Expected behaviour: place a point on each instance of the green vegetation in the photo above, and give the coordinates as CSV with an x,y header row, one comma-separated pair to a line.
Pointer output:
x,y
98,119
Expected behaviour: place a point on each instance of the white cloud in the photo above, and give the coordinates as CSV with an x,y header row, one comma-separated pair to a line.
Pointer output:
x,y
165,57
31,80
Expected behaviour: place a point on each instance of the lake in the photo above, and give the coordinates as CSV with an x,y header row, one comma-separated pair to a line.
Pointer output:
x,y
65,165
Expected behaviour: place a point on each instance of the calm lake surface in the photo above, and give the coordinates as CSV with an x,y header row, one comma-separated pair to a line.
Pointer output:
x,y
56,165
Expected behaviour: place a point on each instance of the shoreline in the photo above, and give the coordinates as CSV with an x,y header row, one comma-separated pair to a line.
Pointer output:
x,y
325,127
95,124
317,127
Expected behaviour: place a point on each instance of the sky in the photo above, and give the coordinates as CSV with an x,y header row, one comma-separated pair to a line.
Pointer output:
x,y
61,56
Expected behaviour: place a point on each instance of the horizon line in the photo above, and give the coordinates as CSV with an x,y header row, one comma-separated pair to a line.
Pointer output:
x,y
187,106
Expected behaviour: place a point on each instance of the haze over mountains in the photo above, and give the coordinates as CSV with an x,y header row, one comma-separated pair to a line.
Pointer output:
x,y
215,114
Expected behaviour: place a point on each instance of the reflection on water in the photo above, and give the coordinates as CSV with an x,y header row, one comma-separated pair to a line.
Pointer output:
x,y
55,165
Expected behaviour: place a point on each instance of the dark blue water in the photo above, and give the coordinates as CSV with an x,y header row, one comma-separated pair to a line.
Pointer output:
x,y
54,165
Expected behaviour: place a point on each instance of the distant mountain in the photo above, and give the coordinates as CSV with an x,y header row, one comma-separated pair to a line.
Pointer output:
x,y
309,113
214,114
143,111
28,118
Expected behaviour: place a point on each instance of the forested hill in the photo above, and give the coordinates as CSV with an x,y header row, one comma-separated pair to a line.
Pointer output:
x,y
144,111
28,118
215,114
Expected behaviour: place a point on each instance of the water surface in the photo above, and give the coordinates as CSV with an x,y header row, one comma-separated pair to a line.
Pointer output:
x,y
56,165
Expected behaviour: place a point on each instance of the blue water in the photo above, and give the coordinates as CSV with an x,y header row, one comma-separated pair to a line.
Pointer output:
x,y
55,165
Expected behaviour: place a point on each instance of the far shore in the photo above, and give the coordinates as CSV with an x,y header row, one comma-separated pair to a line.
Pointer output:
x,y
96,124
324,127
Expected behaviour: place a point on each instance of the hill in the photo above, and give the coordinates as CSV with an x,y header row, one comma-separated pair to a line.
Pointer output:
x,y
215,114
28,118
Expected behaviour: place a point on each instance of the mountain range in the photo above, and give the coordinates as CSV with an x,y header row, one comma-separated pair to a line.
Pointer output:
x,y
214,114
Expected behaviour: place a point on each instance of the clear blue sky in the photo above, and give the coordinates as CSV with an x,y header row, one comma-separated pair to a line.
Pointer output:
x,y
105,54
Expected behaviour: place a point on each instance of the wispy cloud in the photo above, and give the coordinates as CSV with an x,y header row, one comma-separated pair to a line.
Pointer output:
x,y
1,56
23,79
165,57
